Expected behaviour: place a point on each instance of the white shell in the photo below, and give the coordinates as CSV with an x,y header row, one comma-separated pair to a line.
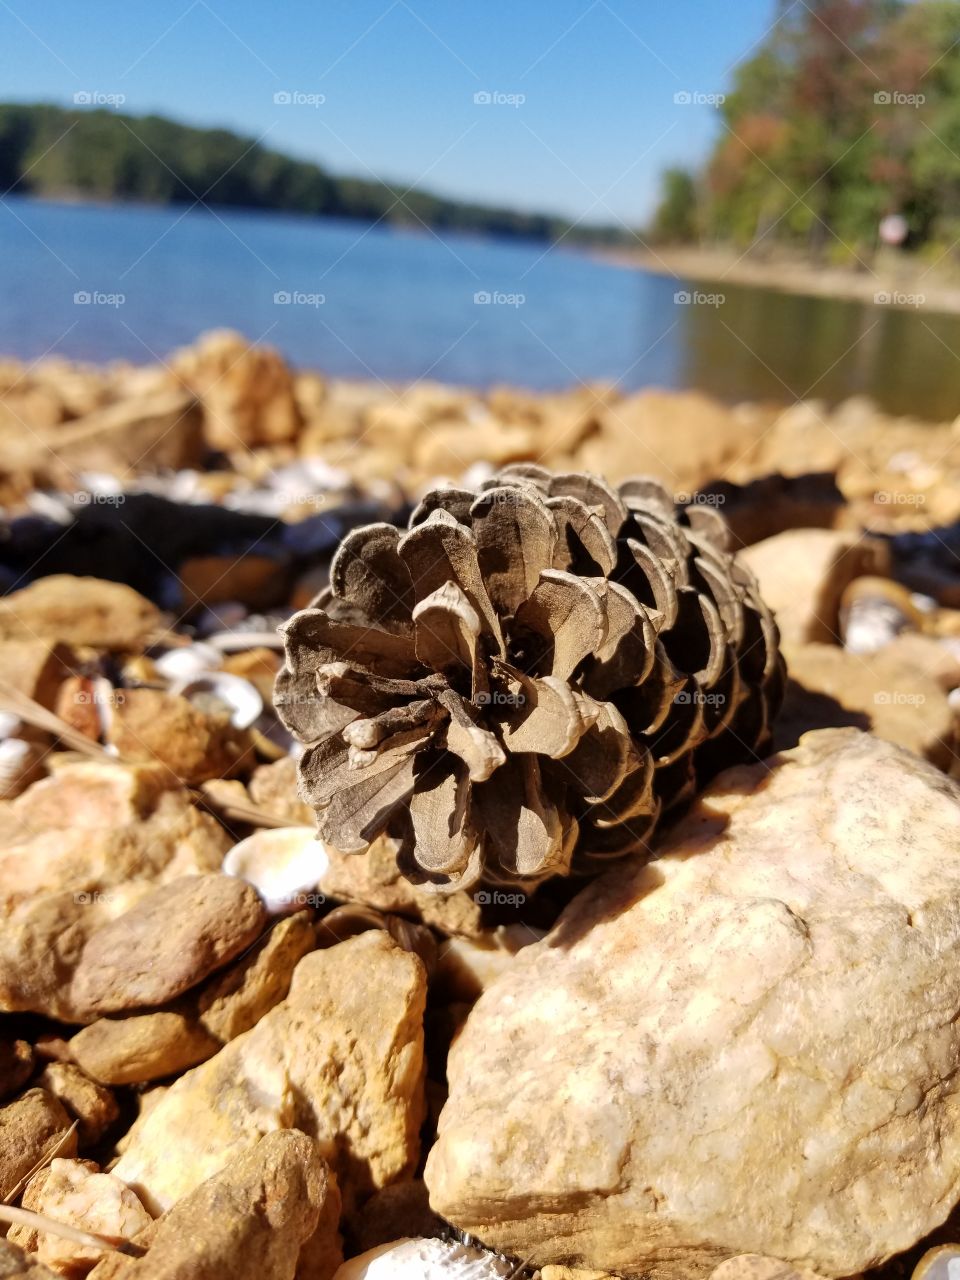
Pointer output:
x,y
192,660
19,766
9,724
236,693
425,1260
284,864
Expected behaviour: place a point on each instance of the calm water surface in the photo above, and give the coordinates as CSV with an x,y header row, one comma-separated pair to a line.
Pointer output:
x,y
98,283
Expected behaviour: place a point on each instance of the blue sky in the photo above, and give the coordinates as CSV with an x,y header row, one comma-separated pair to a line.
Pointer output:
x,y
596,125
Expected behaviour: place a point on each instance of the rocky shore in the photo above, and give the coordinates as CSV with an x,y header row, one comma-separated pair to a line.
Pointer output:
x,y
228,1048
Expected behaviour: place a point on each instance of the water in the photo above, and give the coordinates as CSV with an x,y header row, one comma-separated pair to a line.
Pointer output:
x,y
99,283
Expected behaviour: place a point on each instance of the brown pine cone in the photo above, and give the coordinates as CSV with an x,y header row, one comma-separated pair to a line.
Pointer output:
x,y
524,681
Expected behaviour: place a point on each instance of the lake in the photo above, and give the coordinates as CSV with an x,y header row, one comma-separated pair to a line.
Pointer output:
x,y
97,283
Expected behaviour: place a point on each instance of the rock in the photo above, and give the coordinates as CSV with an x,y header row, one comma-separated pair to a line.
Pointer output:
x,y
74,1194
142,1047
467,966
341,1057
888,692
234,1001
16,1065
426,1259
79,611
154,433
787,966
172,939
260,582
274,787
803,573
402,1208
375,880
751,1266
35,667
573,1273
684,439
86,1101
273,1204
247,391
32,1128
195,744
17,1265
76,850
284,864
149,1046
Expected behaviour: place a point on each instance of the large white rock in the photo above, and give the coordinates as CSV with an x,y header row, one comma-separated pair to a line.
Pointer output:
x,y
749,1046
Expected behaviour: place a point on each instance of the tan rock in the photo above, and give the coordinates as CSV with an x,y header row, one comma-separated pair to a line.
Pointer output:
x,y
172,939
247,391
375,880
17,1265
152,433
803,573
683,439
89,1103
274,787
35,667
195,744
573,1273
885,691
234,1001
746,1046
750,1266
76,850
256,581
78,611
342,1057
16,1066
402,1209
74,1194
142,1046
32,1127
148,1046
270,1215
467,966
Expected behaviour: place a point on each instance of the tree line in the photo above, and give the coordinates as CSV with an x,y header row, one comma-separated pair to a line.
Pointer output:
x,y
847,114
102,154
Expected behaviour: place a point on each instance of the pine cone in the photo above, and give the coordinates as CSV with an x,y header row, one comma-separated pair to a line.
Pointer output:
x,y
521,684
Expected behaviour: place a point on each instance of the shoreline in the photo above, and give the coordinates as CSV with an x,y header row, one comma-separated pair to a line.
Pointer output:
x,y
899,284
